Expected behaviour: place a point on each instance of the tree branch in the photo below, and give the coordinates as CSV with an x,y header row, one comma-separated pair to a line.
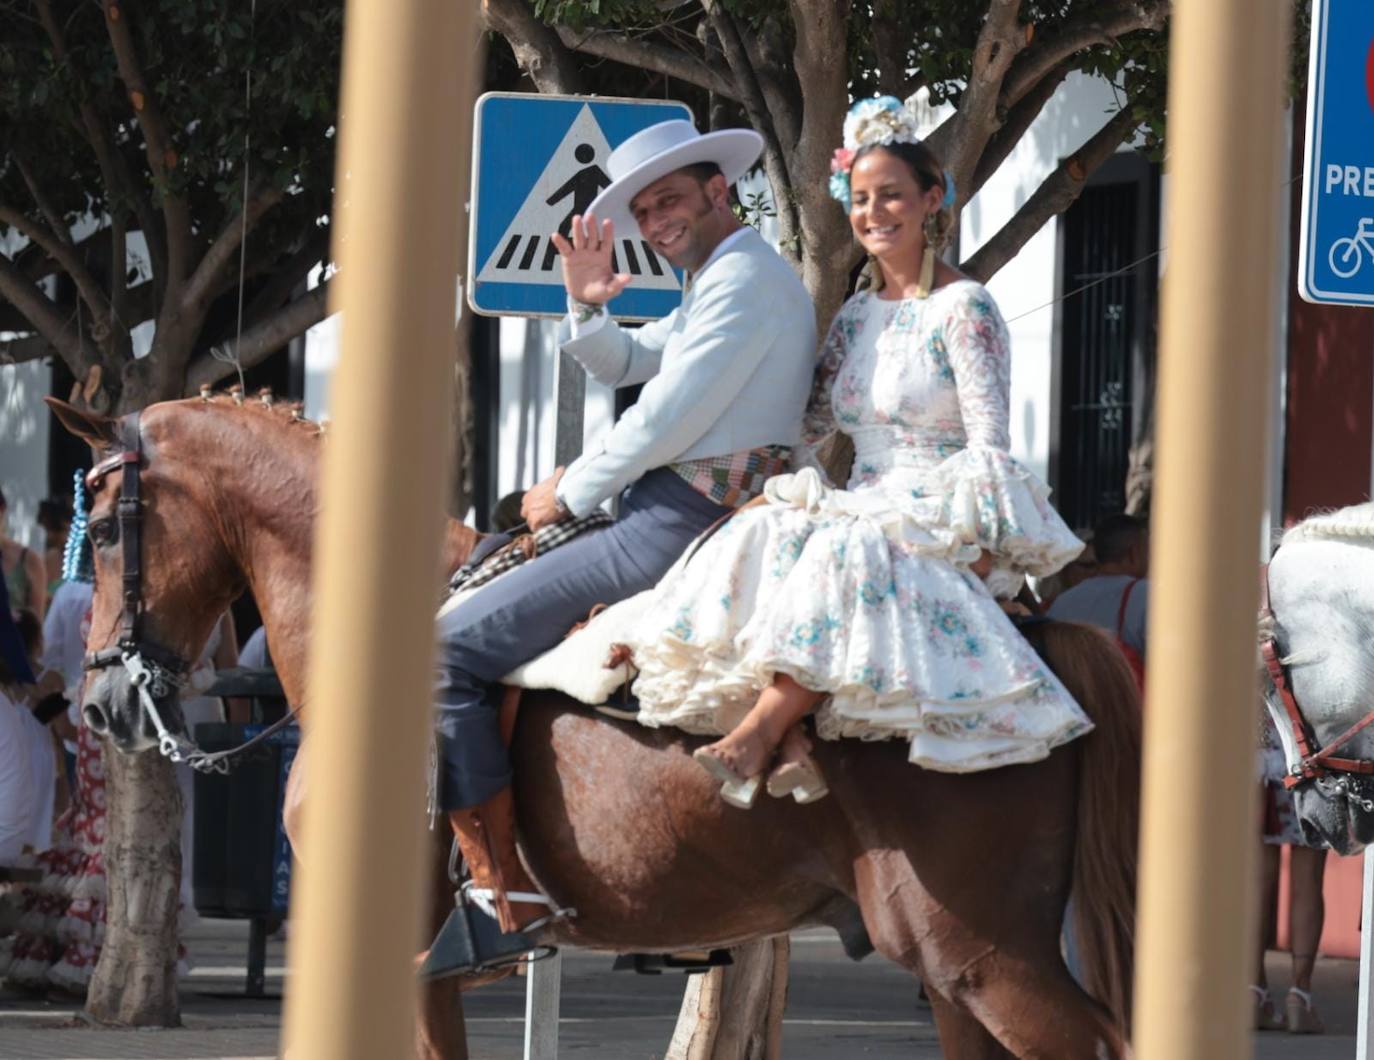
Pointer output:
x,y
44,316
286,276
262,339
826,242
162,156
960,141
538,49
119,346
748,92
29,348
889,48
1043,57
781,93
200,287
114,168
1014,126
645,55
50,214
1054,196
65,255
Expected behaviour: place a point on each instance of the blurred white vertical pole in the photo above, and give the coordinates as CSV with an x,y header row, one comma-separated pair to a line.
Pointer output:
x,y
404,143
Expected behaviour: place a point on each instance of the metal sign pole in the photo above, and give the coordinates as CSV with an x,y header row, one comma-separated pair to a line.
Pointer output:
x,y
406,104
572,410
1196,936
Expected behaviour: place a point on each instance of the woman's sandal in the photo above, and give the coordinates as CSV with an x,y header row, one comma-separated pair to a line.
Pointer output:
x,y
797,773
1266,1016
734,789
1302,1017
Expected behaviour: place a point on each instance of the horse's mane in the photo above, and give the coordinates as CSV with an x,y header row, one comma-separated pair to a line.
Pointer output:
x,y
264,403
1353,525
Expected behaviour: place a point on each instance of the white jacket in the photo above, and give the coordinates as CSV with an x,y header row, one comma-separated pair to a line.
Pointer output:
x,y
727,371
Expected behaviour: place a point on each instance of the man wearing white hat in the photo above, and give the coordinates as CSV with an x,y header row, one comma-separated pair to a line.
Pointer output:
x,y
725,380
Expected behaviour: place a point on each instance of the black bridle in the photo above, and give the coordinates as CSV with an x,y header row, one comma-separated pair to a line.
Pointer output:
x,y
1314,761
129,512
154,669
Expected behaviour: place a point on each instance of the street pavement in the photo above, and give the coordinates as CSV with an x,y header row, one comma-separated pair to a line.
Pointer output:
x,y
835,1009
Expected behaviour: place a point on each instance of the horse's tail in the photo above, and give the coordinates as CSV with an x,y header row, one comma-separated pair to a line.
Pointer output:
x,y
1094,670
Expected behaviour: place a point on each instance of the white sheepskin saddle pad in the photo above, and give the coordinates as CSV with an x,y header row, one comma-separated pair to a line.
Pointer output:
x,y
576,666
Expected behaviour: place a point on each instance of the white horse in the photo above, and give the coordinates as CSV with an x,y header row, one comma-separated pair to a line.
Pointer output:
x,y
1321,595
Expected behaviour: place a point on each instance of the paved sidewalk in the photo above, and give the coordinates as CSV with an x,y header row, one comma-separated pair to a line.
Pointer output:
x,y
836,1009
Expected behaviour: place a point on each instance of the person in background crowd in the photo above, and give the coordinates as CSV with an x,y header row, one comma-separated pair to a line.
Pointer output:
x,y
506,515
255,654
55,517
1082,567
22,568
1122,544
39,739
1306,905
19,796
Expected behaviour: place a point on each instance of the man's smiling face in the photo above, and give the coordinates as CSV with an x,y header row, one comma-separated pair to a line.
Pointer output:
x,y
680,217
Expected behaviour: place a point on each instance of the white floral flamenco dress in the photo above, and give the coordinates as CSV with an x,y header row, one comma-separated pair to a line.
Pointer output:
x,y
865,593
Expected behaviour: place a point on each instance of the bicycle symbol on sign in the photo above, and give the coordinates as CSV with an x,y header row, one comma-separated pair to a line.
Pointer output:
x,y
1347,255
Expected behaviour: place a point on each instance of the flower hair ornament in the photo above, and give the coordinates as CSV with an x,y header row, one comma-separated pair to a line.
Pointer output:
x,y
876,122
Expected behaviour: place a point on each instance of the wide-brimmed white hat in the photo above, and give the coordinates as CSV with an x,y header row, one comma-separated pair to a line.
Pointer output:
x,y
660,149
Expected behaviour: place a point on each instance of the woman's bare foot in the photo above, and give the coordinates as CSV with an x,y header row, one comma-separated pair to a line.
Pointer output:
x,y
739,758
739,755
797,773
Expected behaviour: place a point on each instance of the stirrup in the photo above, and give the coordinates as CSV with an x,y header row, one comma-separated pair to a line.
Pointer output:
x,y
472,942
484,898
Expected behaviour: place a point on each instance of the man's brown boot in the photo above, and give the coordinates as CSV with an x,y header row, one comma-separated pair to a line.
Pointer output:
x,y
486,834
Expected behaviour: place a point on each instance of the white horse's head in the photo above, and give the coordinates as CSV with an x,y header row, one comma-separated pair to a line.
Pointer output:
x,y
1321,591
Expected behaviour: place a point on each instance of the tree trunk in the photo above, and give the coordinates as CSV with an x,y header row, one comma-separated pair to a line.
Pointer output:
x,y
135,982
735,1013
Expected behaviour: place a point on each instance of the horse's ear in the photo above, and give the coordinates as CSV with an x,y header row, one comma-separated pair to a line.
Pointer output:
x,y
98,431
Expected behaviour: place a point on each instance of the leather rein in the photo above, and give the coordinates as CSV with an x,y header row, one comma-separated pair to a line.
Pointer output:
x,y
154,669
1313,761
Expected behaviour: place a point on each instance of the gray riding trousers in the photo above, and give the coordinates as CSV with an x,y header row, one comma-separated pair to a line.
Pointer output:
x,y
528,611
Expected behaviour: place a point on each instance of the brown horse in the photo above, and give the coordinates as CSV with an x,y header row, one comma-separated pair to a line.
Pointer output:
x,y
963,879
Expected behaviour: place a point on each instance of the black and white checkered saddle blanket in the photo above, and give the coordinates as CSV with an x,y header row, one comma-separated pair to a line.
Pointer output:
x,y
498,553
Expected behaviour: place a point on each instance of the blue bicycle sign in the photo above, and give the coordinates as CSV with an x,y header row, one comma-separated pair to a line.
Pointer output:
x,y
1338,170
1347,255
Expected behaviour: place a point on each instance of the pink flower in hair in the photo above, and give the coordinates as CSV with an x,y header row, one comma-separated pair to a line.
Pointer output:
x,y
841,160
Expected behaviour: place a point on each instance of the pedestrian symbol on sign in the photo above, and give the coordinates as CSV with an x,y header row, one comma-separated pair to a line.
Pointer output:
x,y
571,179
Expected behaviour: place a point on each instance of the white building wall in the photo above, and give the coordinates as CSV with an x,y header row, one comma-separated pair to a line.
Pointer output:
x,y
24,426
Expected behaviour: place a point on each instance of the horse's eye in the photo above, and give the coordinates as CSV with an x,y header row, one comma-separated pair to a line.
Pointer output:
x,y
102,532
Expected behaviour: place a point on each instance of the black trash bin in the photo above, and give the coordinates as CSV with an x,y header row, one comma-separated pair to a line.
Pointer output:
x,y
242,861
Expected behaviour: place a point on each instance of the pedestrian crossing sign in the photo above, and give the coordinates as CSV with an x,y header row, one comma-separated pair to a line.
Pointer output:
x,y
537,161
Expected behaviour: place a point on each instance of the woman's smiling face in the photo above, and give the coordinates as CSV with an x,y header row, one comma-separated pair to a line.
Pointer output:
x,y
888,206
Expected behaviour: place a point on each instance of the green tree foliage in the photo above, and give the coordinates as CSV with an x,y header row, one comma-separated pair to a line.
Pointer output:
x,y
134,133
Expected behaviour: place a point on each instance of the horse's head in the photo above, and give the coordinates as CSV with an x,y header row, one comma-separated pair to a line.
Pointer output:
x,y
1322,596
171,539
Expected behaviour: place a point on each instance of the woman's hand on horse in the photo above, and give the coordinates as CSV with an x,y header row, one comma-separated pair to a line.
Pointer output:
x,y
541,506
587,261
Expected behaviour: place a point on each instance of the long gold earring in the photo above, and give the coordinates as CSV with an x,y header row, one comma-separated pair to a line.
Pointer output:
x,y
927,280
